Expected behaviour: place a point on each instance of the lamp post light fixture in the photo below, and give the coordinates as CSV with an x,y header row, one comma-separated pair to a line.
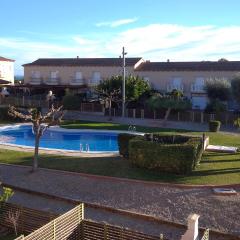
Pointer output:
x,y
123,82
4,92
50,99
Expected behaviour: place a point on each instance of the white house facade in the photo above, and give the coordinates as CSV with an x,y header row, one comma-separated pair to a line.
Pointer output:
x,y
7,70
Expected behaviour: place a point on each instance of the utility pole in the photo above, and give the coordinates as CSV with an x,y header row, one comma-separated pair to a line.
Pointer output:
x,y
123,82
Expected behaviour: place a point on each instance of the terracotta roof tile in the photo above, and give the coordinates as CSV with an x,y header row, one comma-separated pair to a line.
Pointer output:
x,y
6,59
82,62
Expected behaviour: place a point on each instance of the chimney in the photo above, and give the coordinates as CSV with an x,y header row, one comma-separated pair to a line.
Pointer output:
x,y
77,56
168,60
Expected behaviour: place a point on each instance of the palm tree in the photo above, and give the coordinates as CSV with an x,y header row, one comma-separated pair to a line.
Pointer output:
x,y
39,124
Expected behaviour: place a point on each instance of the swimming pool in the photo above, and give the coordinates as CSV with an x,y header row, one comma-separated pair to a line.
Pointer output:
x,y
56,138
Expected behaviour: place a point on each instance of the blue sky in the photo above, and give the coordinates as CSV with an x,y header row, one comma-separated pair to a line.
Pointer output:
x,y
179,30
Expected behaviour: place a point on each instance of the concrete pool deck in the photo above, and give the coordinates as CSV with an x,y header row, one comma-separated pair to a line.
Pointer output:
x,y
58,152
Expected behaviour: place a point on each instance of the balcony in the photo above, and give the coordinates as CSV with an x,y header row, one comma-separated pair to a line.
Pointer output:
x,y
35,81
197,88
52,81
77,81
93,82
171,87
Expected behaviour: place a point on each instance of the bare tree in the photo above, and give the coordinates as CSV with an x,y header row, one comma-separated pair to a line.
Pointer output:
x,y
39,124
13,217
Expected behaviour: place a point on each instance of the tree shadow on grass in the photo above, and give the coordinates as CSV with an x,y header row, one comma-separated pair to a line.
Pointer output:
x,y
118,167
210,154
220,161
216,172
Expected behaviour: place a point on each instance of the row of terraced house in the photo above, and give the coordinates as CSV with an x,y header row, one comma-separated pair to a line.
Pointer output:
x,y
82,74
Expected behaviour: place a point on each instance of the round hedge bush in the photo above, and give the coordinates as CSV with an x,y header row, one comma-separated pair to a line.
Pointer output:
x,y
214,126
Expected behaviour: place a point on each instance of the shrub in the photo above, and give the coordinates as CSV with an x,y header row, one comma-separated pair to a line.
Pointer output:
x,y
214,126
166,139
71,102
235,86
218,88
123,143
181,156
215,106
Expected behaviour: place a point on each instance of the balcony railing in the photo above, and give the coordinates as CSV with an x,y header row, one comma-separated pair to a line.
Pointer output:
x,y
35,81
93,82
52,81
171,87
77,81
197,88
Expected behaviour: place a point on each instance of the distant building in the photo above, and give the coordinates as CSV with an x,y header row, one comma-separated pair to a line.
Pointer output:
x,y
75,71
189,77
7,70
84,73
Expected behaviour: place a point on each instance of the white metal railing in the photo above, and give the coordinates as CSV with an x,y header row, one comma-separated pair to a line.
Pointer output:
x,y
171,87
77,81
52,81
197,88
35,81
94,82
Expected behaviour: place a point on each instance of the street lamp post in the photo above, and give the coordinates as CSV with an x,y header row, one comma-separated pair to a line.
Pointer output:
x,y
123,82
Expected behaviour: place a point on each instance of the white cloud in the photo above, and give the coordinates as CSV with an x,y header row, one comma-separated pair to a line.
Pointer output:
x,y
157,42
116,23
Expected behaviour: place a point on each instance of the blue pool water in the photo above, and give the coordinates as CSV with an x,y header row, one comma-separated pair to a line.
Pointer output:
x,y
94,141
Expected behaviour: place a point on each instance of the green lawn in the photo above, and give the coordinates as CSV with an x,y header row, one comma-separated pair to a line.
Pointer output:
x,y
112,126
215,168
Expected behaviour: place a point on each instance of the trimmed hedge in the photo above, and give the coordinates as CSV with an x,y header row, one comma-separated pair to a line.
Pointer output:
x,y
123,143
180,156
214,126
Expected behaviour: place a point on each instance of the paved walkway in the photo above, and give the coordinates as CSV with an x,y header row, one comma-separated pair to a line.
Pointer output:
x,y
171,203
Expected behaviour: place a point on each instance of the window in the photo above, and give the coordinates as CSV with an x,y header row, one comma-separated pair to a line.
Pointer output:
x,y
177,81
78,75
35,74
96,77
2,71
199,81
54,74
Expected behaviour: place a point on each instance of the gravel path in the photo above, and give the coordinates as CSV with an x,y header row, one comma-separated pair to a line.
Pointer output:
x,y
98,215
171,203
